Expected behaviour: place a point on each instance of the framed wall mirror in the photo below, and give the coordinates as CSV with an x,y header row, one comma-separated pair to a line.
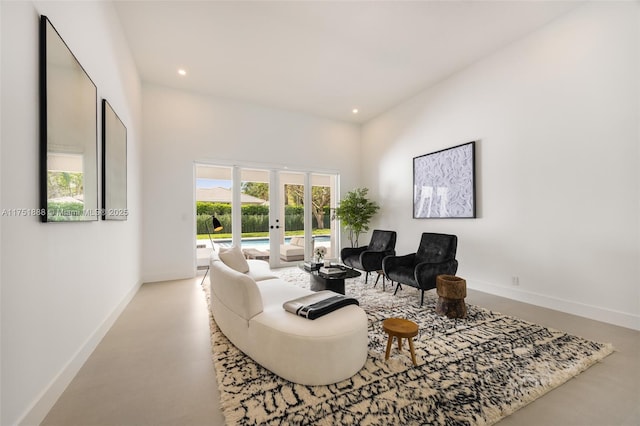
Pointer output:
x,y
114,165
68,133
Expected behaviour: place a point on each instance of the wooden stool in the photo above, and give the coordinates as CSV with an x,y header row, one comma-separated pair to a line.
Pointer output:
x,y
451,293
400,328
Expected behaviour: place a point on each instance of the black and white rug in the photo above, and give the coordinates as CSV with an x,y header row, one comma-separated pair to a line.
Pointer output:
x,y
471,371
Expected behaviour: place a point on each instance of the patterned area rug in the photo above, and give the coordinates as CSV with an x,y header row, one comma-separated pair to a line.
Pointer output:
x,y
471,371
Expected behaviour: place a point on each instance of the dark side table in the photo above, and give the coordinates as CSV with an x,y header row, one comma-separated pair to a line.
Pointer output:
x,y
334,282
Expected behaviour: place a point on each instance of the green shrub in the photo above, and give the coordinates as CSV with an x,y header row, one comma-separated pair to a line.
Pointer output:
x,y
64,211
254,209
255,223
293,210
255,218
212,209
203,220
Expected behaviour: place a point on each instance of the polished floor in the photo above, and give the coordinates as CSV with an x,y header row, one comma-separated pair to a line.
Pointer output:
x,y
154,368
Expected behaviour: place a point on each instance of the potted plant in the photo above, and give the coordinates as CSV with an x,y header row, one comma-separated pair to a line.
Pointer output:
x,y
355,212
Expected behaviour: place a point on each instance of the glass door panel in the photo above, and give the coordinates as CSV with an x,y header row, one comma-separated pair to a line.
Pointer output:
x,y
293,240
322,201
275,215
213,199
254,197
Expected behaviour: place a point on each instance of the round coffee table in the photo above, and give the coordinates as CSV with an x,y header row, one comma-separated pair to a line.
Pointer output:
x,y
400,328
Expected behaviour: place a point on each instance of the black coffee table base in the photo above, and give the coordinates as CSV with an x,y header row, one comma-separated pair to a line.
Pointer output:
x,y
318,282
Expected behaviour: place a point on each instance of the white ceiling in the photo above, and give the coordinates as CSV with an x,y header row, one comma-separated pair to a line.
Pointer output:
x,y
320,57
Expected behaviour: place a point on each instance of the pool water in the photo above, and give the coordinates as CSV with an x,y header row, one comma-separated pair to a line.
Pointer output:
x,y
263,243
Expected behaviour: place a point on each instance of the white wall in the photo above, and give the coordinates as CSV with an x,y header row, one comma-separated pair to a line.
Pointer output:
x,y
182,127
62,284
556,117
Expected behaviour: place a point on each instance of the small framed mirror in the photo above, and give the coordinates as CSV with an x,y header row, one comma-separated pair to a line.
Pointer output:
x,y
68,133
114,165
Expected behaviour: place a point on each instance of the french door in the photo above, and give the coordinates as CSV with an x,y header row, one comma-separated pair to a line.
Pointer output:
x,y
277,215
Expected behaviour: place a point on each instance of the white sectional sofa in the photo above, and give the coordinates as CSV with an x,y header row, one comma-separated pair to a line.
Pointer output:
x,y
246,302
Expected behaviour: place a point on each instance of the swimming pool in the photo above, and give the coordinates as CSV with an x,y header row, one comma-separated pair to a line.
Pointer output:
x,y
263,243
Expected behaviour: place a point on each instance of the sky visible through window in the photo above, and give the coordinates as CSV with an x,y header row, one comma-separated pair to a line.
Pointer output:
x,y
212,183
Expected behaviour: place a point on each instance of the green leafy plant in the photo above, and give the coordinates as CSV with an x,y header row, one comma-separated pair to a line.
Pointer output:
x,y
355,212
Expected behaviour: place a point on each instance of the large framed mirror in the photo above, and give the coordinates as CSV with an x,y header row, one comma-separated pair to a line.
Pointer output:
x,y
68,133
114,165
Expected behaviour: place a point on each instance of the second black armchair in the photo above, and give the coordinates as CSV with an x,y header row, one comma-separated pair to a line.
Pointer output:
x,y
436,255
369,258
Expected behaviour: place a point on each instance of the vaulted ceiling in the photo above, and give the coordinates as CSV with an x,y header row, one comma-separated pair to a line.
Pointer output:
x,y
321,57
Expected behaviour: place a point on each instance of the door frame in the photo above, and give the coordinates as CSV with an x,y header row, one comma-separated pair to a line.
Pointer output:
x,y
276,237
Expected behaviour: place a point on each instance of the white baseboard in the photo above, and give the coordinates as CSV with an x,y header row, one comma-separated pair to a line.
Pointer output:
x,y
45,401
618,318
154,278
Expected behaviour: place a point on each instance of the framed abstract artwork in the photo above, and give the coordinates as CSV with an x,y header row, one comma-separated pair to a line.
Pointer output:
x,y
444,183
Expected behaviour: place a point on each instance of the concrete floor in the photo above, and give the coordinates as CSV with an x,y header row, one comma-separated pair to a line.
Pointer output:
x,y
154,368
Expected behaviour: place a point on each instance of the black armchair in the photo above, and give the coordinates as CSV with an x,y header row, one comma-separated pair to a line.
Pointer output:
x,y
436,255
369,258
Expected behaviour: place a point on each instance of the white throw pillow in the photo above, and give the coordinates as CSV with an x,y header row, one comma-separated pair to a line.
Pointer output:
x,y
234,259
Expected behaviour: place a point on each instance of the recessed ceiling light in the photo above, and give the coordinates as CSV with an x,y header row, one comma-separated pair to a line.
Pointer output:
x,y
355,110
182,72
